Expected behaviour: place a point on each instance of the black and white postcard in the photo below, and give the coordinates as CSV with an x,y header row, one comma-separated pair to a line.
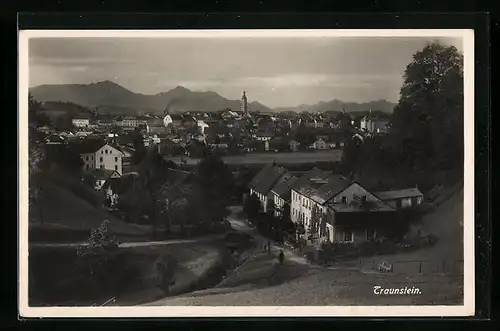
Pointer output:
x,y
188,173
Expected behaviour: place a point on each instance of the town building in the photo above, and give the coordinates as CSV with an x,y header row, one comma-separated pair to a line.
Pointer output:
x,y
281,195
320,144
262,184
344,208
97,154
373,125
80,122
402,199
100,176
172,120
294,145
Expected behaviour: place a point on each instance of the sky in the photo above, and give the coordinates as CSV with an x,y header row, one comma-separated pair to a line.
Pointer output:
x,y
276,72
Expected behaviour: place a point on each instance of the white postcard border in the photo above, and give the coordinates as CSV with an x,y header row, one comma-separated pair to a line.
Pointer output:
x,y
467,309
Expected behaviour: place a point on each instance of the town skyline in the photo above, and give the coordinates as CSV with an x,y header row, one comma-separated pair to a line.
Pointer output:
x,y
282,72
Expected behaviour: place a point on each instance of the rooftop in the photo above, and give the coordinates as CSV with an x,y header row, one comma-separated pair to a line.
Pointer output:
x,y
399,194
264,181
101,174
355,208
282,189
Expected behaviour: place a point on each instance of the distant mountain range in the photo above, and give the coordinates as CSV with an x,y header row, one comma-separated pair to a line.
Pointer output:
x,y
337,105
111,98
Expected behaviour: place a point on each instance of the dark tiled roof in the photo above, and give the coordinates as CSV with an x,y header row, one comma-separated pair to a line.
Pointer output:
x,y
102,173
261,174
320,185
310,179
120,185
283,189
268,179
352,208
88,146
335,185
399,194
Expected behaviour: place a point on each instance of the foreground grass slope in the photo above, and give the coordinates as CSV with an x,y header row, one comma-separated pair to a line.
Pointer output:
x,y
69,205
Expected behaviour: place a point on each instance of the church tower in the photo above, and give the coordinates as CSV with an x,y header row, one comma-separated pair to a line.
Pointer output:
x,y
244,103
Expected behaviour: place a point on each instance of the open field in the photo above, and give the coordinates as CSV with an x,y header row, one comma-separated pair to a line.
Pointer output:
x,y
280,158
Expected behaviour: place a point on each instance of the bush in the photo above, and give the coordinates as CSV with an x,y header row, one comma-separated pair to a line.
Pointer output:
x,y
166,267
101,267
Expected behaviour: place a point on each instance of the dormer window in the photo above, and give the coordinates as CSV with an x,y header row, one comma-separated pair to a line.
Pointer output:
x,y
344,199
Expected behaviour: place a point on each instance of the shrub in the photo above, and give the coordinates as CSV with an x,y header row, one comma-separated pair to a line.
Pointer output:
x,y
166,267
101,268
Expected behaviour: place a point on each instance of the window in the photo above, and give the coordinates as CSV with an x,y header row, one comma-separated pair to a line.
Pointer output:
x,y
106,151
363,199
344,199
116,167
348,236
116,158
370,234
87,158
92,157
86,166
100,159
102,152
102,166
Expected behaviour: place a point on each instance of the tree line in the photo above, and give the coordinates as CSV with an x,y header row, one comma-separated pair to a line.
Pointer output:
x,y
425,135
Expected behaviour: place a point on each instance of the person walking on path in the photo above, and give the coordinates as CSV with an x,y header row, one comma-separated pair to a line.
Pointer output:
x,y
281,256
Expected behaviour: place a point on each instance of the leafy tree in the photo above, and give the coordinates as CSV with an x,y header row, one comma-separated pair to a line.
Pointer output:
x,y
214,178
305,136
152,175
345,121
252,206
89,179
315,223
64,123
36,155
140,150
97,254
427,124
35,116
173,198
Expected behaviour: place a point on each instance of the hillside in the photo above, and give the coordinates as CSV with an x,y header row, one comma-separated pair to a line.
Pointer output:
x,y
337,105
69,205
54,109
115,99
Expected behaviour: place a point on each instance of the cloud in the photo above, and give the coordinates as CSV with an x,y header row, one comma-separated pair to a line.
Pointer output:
x,y
71,61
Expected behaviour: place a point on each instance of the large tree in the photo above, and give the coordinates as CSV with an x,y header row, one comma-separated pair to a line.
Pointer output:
x,y
427,125
140,150
252,206
36,154
214,178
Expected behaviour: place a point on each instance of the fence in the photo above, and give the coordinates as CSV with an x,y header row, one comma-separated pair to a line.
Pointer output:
x,y
417,267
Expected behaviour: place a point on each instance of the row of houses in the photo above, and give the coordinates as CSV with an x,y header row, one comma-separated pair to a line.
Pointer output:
x,y
349,211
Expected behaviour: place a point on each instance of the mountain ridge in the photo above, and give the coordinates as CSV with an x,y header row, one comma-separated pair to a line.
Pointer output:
x,y
118,99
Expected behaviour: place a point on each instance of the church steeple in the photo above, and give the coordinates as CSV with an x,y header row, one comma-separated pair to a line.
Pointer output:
x,y
244,103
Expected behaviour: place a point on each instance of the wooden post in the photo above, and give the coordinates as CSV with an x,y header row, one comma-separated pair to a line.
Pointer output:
x,y
420,268
360,265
